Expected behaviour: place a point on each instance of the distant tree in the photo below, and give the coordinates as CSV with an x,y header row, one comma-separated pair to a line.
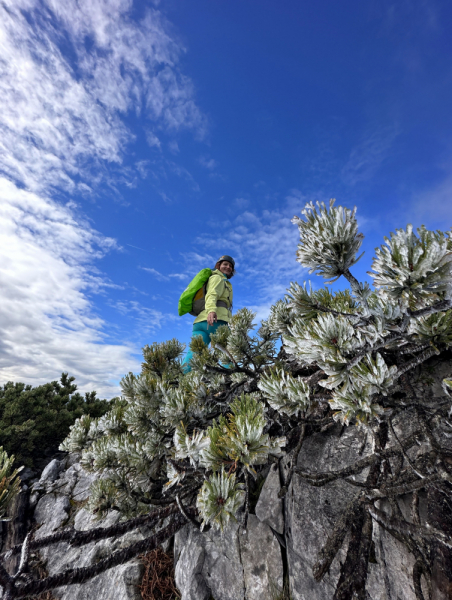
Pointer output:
x,y
35,419
183,446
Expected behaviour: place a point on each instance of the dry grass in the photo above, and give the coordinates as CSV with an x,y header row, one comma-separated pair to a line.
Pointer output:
x,y
158,580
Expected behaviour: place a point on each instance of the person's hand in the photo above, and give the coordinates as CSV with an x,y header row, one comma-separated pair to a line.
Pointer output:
x,y
211,318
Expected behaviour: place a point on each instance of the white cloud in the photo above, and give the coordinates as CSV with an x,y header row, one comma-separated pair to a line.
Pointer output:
x,y
147,318
156,273
162,277
173,147
61,117
208,163
142,168
46,319
152,140
367,156
195,262
242,203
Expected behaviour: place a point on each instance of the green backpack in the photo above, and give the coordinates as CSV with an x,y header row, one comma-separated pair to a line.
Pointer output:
x,y
193,298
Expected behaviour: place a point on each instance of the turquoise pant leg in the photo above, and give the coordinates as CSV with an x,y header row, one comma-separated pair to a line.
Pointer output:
x,y
205,332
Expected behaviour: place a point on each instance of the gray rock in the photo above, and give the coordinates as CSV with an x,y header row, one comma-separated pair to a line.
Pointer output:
x,y
222,569
391,575
312,511
269,508
232,566
189,546
27,474
52,512
85,520
51,472
81,489
120,583
209,564
34,499
261,560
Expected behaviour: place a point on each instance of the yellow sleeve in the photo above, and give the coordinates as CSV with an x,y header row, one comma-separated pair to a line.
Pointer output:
x,y
215,289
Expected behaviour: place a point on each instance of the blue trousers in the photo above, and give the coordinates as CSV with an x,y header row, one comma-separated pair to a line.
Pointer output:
x,y
205,331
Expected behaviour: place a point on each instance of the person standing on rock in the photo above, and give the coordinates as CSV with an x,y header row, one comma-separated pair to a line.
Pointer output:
x,y
218,304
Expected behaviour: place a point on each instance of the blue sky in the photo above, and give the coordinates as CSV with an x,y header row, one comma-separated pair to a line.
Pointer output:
x,y
141,140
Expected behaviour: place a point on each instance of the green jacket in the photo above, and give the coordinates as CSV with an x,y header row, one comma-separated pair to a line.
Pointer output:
x,y
218,288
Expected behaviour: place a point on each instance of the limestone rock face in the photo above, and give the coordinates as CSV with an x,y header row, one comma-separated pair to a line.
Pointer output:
x,y
269,508
52,512
57,501
310,513
190,552
261,559
63,505
237,565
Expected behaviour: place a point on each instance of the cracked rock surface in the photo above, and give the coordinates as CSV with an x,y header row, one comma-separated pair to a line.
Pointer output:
x,y
232,566
56,501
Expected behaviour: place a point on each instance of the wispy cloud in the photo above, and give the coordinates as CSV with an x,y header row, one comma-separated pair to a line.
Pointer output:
x,y
194,261
242,203
208,163
173,147
161,277
147,318
152,140
367,156
61,117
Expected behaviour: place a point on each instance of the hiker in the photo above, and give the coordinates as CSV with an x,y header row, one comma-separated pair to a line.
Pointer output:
x,y
218,304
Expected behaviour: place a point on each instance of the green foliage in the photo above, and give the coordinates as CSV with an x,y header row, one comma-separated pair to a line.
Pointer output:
x,y
240,438
161,359
9,482
435,329
33,419
219,499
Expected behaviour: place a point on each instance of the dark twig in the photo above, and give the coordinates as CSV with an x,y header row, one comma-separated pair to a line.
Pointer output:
x,y
392,524
283,490
429,310
420,569
326,555
225,351
183,511
352,580
420,358
247,501
407,458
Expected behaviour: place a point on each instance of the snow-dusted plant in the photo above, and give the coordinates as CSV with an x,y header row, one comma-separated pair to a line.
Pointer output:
x,y
184,445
